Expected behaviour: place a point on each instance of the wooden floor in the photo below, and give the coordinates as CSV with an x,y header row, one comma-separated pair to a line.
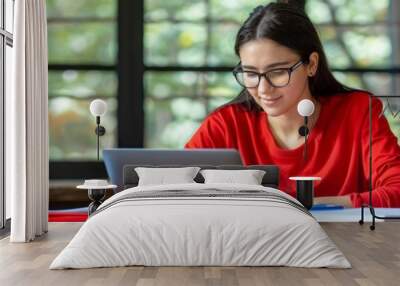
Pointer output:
x,y
374,255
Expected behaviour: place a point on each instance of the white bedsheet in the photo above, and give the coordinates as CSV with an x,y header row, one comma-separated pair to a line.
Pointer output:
x,y
200,231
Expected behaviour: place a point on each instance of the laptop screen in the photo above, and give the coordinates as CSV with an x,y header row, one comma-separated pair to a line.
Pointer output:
x,y
116,158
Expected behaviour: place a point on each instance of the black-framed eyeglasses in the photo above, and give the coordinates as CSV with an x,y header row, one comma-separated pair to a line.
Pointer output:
x,y
279,77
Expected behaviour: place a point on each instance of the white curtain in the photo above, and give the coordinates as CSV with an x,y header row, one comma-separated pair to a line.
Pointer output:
x,y
27,124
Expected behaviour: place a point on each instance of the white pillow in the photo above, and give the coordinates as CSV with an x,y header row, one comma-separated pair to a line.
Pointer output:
x,y
248,177
162,176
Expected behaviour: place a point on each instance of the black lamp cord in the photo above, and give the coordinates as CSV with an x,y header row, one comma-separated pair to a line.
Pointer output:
x,y
304,131
305,136
100,131
98,136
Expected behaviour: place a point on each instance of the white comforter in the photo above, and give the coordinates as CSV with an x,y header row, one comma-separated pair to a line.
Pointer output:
x,y
200,231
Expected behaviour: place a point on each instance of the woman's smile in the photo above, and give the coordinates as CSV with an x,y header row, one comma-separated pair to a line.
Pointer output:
x,y
269,101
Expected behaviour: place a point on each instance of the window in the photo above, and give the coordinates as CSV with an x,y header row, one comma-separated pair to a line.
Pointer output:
x,y
361,40
6,43
82,67
187,64
82,57
163,65
358,35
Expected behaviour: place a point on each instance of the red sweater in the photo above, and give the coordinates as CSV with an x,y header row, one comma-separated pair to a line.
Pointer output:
x,y
338,148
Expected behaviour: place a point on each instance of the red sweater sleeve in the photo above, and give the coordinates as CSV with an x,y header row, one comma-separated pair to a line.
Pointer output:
x,y
385,161
211,133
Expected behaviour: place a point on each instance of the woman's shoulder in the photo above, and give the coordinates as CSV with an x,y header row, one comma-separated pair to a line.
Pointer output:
x,y
347,101
230,110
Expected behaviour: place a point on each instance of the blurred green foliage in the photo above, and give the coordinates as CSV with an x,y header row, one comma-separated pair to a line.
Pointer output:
x,y
80,32
72,128
82,84
391,108
82,43
355,33
81,9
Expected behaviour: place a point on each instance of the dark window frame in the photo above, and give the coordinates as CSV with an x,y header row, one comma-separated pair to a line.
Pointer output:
x,y
130,70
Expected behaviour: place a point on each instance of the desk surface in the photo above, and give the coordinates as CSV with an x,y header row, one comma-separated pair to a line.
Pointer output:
x,y
326,215
374,256
352,214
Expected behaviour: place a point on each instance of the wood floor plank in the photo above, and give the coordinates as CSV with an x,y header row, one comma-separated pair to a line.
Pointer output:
x,y
374,255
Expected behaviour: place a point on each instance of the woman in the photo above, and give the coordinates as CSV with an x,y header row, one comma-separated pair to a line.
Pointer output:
x,y
282,62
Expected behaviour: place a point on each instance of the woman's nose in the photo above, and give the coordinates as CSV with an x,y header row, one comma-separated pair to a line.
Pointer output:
x,y
264,86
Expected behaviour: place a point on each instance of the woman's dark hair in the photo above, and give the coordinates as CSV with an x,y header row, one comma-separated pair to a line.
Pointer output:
x,y
289,26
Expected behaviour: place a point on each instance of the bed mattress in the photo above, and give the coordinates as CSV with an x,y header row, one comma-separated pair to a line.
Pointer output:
x,y
201,225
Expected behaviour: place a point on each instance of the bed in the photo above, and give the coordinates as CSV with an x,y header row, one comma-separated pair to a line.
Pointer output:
x,y
203,223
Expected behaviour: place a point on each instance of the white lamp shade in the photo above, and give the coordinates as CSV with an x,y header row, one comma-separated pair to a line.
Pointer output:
x,y
305,107
98,107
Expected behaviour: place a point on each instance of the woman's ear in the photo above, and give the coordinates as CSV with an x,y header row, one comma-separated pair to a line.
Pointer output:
x,y
312,64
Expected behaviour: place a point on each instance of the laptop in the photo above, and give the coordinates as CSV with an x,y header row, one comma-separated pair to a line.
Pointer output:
x,y
116,158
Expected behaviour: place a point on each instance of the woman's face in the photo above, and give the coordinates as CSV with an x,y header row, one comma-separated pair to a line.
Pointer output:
x,y
264,55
